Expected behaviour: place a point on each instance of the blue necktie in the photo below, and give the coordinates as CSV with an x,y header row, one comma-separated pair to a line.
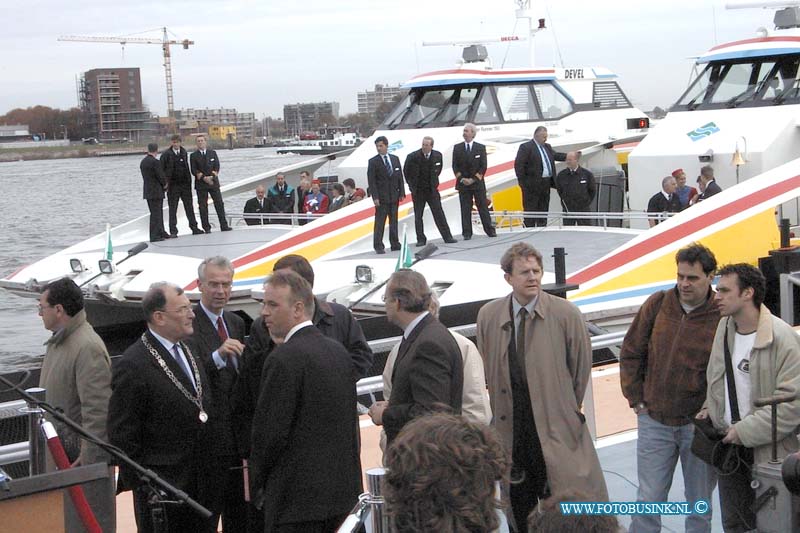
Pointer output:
x,y
545,161
469,149
387,164
178,359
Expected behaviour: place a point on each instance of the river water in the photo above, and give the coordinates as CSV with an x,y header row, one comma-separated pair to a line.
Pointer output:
x,y
47,206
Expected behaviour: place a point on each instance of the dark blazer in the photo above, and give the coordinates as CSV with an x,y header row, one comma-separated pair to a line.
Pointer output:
x,y
157,426
577,189
334,320
387,188
205,164
222,381
529,166
176,167
281,202
711,189
468,165
251,206
428,373
153,177
415,163
305,431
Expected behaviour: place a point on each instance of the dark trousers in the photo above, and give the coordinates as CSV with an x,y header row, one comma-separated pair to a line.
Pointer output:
x,y
432,198
736,496
536,199
234,508
577,209
382,212
181,193
477,195
156,207
329,525
178,518
219,206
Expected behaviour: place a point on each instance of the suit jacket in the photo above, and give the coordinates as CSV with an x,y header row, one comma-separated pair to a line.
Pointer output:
x,y
387,188
153,177
206,164
577,189
281,202
421,174
305,431
528,166
157,426
176,167
468,165
251,206
222,380
428,374
711,189
334,321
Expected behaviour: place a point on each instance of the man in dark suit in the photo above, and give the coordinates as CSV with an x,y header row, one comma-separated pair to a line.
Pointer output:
x,y
154,186
219,337
305,459
428,372
385,179
576,188
255,207
469,167
161,413
175,163
535,168
422,171
205,168
665,201
280,198
707,183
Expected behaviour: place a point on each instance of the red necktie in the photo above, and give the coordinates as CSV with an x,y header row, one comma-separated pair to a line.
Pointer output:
x,y
223,335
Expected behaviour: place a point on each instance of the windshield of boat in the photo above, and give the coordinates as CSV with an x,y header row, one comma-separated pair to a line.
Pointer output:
x,y
441,106
750,82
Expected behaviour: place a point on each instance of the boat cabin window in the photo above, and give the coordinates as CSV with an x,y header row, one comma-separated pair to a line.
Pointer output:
x,y
748,82
486,111
458,107
516,103
552,103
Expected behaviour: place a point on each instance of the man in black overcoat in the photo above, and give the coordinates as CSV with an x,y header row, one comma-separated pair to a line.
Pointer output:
x,y
385,186
175,163
154,186
469,167
205,168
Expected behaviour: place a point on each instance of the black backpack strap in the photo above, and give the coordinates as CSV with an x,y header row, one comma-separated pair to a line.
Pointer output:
x,y
733,401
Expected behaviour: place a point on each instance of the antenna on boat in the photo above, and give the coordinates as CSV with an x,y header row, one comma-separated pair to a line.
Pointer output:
x,y
525,12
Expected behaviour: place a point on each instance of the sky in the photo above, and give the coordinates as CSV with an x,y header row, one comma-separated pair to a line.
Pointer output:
x,y
257,55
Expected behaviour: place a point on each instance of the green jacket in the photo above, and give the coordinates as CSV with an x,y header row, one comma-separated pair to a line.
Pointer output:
x,y
774,369
76,373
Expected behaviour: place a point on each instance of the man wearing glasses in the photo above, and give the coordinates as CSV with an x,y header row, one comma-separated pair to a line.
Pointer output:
x,y
161,413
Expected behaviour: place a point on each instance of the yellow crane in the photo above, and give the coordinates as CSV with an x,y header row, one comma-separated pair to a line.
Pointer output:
x,y
165,43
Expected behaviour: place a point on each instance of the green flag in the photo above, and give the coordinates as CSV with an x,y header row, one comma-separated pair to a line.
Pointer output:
x,y
404,260
109,255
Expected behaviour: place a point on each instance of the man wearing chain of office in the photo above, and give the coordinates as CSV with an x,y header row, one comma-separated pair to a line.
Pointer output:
x,y
162,416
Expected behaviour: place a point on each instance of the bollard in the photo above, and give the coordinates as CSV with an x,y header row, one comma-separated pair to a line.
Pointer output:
x,y
380,520
785,233
36,442
560,265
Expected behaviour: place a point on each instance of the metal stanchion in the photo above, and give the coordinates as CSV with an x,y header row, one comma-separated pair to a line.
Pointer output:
x,y
36,442
380,520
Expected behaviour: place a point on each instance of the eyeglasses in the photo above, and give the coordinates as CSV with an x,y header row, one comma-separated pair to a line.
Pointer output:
x,y
182,310
41,307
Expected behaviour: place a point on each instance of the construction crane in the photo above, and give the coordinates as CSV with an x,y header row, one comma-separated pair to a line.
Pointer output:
x,y
165,43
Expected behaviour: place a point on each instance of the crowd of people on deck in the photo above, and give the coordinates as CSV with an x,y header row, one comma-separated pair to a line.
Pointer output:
x,y
675,195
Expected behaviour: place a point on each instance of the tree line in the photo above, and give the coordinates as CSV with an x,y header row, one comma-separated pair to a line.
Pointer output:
x,y
49,122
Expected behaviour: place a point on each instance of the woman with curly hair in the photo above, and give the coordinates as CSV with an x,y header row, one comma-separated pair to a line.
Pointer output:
x,y
442,475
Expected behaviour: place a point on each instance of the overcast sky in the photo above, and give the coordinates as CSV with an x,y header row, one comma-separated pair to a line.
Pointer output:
x,y
257,55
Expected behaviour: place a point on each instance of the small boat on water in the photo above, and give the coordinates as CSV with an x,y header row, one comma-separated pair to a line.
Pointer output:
x,y
325,141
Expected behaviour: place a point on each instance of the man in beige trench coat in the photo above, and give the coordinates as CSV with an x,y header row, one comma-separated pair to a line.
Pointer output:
x,y
536,397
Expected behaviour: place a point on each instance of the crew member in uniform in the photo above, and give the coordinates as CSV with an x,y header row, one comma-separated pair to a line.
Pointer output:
x,y
576,188
175,163
469,167
154,186
664,201
255,207
422,171
205,168
385,178
281,199
161,413
535,168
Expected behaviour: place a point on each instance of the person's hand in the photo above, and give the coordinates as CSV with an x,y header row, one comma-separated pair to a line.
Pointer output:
x,y
376,202
478,176
231,348
208,180
376,412
702,414
732,437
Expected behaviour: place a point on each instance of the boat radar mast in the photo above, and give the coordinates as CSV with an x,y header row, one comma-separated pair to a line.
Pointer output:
x,y
787,14
525,12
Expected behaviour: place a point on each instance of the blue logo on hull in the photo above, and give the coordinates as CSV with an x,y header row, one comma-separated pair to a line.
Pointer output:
x,y
703,131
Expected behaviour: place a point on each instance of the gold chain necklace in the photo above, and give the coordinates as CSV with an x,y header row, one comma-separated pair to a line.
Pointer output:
x,y
197,400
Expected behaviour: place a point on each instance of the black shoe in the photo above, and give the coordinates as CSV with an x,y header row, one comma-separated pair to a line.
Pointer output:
x,y
381,251
421,244
196,231
467,237
450,240
170,236
492,234
157,239
396,248
227,228
208,230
